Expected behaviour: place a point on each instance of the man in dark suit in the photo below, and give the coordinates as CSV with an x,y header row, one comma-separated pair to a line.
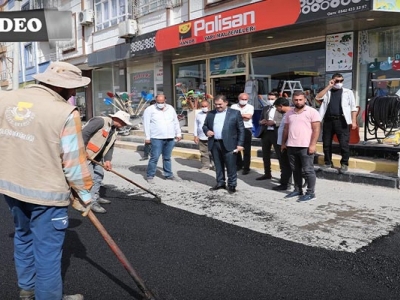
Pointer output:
x,y
225,131
269,123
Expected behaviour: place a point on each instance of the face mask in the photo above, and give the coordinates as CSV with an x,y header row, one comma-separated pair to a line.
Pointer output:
x,y
338,86
160,105
270,102
242,102
204,109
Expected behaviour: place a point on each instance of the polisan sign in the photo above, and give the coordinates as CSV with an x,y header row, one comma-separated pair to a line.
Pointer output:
x,y
250,18
254,17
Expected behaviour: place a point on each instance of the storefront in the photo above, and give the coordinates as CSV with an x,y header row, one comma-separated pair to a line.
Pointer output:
x,y
262,46
134,69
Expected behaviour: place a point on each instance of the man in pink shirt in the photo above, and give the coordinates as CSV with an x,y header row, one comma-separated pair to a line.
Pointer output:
x,y
300,135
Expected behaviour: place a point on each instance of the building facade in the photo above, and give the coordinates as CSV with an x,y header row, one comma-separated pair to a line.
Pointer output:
x,y
218,47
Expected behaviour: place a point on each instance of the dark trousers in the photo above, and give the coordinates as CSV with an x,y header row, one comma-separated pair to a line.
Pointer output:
x,y
302,164
286,170
245,161
342,131
269,138
223,158
146,150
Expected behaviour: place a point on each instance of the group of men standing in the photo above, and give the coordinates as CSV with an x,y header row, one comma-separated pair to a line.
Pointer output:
x,y
292,128
46,154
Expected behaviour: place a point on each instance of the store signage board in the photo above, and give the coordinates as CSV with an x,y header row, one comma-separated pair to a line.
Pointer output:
x,y
339,51
386,5
255,17
233,64
143,44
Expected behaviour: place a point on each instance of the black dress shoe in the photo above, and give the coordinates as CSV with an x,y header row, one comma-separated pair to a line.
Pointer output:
x,y
280,187
264,177
231,189
218,187
245,172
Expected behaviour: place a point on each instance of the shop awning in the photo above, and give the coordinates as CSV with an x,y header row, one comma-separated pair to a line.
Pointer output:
x,y
294,75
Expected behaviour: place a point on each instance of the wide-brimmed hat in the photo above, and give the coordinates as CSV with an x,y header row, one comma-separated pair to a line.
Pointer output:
x,y
123,116
62,74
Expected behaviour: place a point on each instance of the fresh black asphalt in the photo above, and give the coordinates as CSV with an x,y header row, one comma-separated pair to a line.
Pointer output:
x,y
183,256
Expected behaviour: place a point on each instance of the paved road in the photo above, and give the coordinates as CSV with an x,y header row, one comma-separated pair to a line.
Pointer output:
x,y
253,245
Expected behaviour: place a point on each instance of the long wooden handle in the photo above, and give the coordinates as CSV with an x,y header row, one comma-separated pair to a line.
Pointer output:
x,y
120,255
127,179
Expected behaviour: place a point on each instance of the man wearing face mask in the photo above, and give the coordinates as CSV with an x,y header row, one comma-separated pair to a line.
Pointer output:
x,y
338,111
201,139
247,111
161,128
270,120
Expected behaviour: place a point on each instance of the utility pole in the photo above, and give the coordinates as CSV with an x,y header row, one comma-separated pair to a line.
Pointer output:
x,y
16,51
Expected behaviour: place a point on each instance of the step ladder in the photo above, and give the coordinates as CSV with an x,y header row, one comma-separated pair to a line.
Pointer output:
x,y
291,86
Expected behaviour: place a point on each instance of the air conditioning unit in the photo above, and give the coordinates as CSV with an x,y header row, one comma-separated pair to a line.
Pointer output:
x,y
128,28
86,17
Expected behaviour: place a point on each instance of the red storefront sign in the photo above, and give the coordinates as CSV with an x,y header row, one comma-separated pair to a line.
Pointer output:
x,y
255,17
250,18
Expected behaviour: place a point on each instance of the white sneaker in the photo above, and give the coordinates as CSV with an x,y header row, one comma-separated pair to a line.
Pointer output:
x,y
97,208
72,297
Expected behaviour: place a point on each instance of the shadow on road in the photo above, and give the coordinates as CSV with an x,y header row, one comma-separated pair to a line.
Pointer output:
x,y
73,247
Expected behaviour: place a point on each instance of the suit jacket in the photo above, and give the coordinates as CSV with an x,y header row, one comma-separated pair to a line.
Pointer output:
x,y
264,116
232,131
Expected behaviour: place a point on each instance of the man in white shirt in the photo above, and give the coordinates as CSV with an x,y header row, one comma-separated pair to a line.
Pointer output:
x,y
200,138
161,128
247,111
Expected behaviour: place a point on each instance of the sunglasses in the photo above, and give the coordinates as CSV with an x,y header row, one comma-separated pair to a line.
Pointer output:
x,y
339,80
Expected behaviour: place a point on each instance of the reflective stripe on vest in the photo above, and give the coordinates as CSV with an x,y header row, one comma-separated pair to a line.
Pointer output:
x,y
33,194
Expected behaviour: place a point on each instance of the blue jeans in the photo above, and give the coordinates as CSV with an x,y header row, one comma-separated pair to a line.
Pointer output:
x,y
158,147
38,240
146,150
97,173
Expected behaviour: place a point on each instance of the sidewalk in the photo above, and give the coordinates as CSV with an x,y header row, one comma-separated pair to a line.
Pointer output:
x,y
371,171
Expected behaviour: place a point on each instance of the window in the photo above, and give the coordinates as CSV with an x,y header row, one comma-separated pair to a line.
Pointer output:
x,y
28,56
40,4
214,2
384,43
144,7
111,12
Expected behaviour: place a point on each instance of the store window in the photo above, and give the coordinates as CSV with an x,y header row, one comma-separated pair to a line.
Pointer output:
x,y
111,12
190,85
102,82
379,59
142,89
302,65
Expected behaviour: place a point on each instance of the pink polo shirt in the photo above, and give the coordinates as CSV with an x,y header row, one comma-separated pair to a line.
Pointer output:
x,y
300,130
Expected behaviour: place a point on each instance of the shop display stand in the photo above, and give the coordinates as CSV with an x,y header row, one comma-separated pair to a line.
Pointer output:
x,y
367,122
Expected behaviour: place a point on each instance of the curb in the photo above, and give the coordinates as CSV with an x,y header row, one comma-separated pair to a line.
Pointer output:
x,y
329,174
